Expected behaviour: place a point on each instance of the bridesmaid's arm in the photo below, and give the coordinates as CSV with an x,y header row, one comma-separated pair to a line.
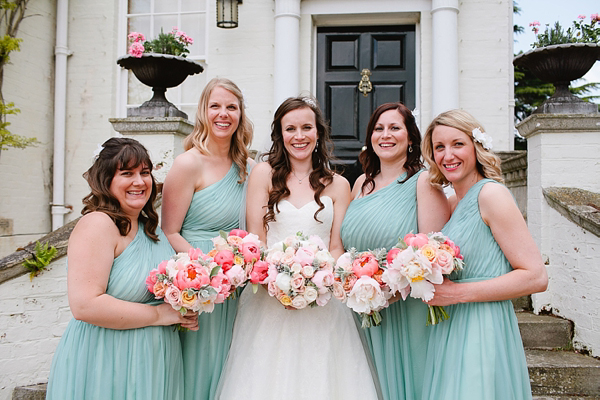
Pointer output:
x,y
92,249
257,198
501,214
433,210
340,189
178,190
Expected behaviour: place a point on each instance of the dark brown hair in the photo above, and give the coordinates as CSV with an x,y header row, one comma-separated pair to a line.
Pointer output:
x,y
116,154
278,157
369,159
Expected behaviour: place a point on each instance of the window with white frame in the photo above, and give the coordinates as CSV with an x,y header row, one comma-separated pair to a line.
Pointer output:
x,y
149,17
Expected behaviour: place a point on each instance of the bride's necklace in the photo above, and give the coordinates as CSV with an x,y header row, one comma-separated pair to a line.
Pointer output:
x,y
301,179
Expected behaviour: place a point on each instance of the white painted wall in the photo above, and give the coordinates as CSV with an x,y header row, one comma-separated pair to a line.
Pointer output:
x,y
33,317
563,152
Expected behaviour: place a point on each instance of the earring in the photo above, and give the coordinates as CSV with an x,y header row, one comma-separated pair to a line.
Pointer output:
x,y
410,148
317,146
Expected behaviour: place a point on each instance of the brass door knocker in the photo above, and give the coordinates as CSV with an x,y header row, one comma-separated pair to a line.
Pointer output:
x,y
365,86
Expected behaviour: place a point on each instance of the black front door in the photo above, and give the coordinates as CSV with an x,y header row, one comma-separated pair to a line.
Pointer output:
x,y
358,69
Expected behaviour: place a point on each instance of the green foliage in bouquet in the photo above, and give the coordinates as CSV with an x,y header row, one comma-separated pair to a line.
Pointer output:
x,y
42,256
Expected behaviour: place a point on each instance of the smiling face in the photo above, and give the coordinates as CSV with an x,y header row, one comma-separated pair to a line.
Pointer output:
x,y
132,188
454,154
390,137
299,131
223,112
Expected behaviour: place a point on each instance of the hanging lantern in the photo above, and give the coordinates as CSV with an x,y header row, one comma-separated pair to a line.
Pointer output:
x,y
227,13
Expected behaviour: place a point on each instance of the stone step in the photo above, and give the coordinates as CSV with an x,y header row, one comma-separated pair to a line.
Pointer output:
x,y
522,303
560,374
544,331
33,392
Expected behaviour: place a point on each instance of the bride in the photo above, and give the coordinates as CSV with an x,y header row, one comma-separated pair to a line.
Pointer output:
x,y
279,353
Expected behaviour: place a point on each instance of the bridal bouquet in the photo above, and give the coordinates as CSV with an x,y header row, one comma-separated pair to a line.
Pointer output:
x,y
300,271
358,283
190,281
417,263
240,257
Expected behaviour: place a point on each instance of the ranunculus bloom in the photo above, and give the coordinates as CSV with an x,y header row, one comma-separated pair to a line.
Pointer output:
x,y
225,259
259,272
365,264
418,240
238,232
251,252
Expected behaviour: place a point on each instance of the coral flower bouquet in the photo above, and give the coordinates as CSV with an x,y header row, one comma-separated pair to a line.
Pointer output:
x,y
358,283
240,257
417,263
189,281
300,272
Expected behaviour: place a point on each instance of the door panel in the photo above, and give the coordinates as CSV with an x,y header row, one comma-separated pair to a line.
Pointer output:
x,y
388,52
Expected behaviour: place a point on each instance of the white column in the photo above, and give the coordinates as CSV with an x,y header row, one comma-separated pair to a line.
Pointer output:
x,y
444,22
287,50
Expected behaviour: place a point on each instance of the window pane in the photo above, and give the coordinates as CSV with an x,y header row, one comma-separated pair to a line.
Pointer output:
x,y
139,6
162,6
193,5
166,22
141,25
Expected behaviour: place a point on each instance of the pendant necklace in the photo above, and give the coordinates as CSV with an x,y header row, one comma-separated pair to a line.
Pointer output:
x,y
304,177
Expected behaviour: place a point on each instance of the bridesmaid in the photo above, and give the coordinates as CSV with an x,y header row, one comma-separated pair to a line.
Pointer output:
x,y
392,198
203,194
119,345
478,352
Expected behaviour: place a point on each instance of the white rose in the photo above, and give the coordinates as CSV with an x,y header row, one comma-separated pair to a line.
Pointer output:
x,y
310,294
308,271
299,302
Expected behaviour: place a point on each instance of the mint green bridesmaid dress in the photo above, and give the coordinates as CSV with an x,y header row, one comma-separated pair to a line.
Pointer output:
x,y
91,362
398,345
214,208
477,353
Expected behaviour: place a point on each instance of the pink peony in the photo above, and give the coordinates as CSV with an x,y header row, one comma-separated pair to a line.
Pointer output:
x,y
304,256
365,264
417,240
251,252
151,280
224,258
259,272
391,254
193,276
238,232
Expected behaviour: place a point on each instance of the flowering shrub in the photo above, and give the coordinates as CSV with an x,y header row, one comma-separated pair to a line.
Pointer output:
x,y
174,43
580,32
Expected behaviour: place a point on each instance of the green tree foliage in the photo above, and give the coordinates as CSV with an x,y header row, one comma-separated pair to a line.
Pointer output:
x,y
12,13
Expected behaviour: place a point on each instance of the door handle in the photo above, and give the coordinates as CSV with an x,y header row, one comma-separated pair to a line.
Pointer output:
x,y
365,86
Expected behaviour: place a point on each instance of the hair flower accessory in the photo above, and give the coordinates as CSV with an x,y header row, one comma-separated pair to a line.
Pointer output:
x,y
483,138
310,102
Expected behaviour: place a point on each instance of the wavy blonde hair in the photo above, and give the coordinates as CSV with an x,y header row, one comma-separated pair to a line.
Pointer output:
x,y
487,163
242,137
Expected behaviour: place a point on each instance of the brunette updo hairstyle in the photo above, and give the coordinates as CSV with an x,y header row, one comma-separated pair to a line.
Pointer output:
x,y
487,163
118,154
369,159
278,157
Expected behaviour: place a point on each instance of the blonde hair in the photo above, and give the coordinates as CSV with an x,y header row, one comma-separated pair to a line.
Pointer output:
x,y
242,137
487,163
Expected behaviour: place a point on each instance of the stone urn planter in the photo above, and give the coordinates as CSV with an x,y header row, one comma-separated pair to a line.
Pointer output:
x,y
160,72
560,64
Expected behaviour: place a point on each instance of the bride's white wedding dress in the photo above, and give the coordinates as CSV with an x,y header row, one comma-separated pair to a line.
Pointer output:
x,y
313,353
